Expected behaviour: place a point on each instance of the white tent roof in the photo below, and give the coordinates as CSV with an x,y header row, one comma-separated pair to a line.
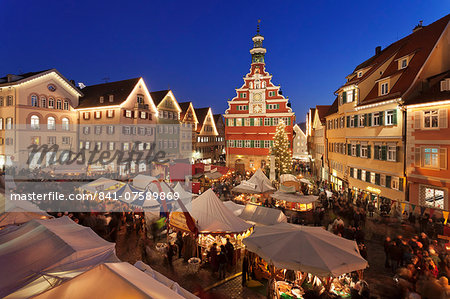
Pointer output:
x,y
142,181
112,280
55,247
305,181
211,215
287,178
262,215
258,183
234,207
19,215
296,197
182,192
164,280
304,248
102,184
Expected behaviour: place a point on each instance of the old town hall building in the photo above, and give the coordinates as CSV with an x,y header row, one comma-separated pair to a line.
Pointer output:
x,y
254,113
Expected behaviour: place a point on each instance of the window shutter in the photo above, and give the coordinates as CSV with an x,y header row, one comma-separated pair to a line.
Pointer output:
x,y
359,174
394,117
234,121
381,113
358,150
388,181
383,153
400,184
349,149
124,113
348,121
252,143
243,122
365,119
344,97
261,144
252,123
355,119
351,172
377,179
417,118
368,151
443,158
397,154
443,118
417,161
368,176
271,121
354,95
369,119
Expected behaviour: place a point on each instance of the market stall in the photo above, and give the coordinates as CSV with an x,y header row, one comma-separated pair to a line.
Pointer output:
x,y
294,201
214,223
262,215
321,259
102,185
69,250
257,184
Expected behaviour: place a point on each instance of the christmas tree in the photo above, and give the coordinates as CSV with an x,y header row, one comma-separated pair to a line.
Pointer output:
x,y
281,150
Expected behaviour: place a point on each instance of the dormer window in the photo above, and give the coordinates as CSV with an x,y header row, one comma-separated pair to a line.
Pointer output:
x,y
140,99
384,88
111,98
102,100
403,63
359,75
445,84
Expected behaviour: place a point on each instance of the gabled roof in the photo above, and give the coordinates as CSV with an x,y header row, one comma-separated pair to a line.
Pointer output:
x,y
419,44
322,112
158,96
217,118
431,91
201,114
17,79
302,126
184,107
333,108
119,89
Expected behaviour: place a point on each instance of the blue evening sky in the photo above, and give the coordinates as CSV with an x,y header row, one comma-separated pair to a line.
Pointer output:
x,y
200,49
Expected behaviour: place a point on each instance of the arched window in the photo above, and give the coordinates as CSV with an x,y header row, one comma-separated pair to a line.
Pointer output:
x,y
43,102
51,124
58,104
264,84
34,122
51,103
66,105
34,101
251,85
65,124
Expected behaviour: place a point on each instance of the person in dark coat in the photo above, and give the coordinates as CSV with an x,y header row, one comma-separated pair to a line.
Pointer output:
x,y
179,243
212,255
222,261
229,249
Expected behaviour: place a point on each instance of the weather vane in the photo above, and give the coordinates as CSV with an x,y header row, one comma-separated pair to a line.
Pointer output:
x,y
257,27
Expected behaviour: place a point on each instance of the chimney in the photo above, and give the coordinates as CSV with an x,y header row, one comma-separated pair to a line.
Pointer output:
x,y
9,78
72,81
377,50
418,26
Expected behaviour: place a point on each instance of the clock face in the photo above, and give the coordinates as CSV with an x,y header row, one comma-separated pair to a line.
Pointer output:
x,y
257,97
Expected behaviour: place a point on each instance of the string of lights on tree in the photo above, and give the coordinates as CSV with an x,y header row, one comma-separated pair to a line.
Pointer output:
x,y
281,150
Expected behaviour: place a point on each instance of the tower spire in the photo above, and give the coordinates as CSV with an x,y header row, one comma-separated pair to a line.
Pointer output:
x,y
258,50
257,27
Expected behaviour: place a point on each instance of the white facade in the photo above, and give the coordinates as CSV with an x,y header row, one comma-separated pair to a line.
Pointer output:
x,y
300,145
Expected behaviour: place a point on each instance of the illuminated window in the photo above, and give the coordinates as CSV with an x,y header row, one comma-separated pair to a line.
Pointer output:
x,y
86,115
430,157
432,197
97,114
384,88
51,103
58,104
110,113
34,122
431,119
51,123
65,124
66,105
43,102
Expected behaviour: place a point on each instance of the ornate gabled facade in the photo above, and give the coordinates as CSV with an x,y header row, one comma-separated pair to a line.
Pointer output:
x,y
189,123
36,108
206,134
254,113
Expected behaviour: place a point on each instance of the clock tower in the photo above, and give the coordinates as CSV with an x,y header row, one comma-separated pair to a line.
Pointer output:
x,y
254,113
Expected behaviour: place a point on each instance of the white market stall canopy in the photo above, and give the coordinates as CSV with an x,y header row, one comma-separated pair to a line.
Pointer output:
x,y
164,280
262,215
20,215
211,215
142,181
258,183
234,207
128,194
33,255
112,281
295,197
183,194
102,184
304,248
305,181
288,178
